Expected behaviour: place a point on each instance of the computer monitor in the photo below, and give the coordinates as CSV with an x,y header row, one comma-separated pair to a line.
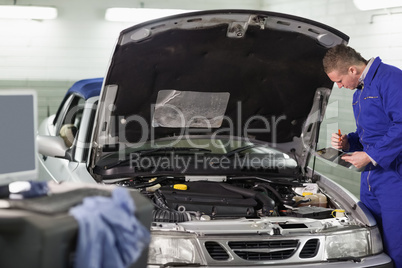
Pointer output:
x,y
18,117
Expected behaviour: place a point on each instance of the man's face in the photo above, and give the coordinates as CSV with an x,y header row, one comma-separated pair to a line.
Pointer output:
x,y
349,80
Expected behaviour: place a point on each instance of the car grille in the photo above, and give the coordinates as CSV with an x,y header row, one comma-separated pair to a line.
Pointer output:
x,y
254,250
241,252
257,256
310,249
264,250
216,251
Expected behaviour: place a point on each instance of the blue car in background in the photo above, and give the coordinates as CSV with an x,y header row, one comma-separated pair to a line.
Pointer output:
x,y
214,116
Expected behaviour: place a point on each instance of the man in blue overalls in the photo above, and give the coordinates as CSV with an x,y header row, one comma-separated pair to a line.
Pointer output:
x,y
377,142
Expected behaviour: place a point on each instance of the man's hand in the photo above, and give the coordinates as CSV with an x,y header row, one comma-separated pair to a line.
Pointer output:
x,y
340,142
358,159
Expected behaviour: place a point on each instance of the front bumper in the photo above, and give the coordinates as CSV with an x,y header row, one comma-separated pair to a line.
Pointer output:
x,y
378,261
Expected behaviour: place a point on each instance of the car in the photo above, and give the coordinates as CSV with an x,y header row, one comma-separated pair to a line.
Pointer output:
x,y
214,116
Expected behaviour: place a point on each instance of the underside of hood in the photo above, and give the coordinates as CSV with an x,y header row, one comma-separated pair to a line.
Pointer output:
x,y
233,69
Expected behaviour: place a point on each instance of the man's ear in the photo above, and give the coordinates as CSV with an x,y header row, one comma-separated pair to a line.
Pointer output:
x,y
353,70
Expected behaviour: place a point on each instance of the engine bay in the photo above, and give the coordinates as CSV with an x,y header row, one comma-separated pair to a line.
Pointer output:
x,y
181,199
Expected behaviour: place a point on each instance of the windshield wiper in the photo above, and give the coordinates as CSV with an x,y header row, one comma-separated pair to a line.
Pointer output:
x,y
244,148
171,149
156,150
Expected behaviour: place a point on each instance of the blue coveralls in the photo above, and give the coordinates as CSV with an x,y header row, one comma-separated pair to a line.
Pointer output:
x,y
378,112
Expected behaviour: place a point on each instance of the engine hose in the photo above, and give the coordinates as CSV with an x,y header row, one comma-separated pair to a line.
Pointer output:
x,y
272,189
163,215
268,203
301,201
162,212
159,200
259,187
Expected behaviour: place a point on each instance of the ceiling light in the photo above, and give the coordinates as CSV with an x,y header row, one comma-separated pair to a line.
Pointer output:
x,y
139,14
376,4
28,12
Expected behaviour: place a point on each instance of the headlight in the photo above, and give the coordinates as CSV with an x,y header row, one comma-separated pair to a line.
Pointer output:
x,y
165,248
353,243
376,241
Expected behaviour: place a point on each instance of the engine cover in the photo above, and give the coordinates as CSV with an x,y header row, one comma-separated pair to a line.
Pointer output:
x,y
209,198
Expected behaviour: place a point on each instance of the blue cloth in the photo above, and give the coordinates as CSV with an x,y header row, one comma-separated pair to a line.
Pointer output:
x,y
109,233
378,113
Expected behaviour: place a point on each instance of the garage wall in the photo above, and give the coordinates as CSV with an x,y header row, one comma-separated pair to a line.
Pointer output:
x,y
50,56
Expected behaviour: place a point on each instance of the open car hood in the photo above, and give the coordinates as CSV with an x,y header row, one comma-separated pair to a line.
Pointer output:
x,y
218,72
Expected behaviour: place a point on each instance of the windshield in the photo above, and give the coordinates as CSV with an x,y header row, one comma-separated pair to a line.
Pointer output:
x,y
193,155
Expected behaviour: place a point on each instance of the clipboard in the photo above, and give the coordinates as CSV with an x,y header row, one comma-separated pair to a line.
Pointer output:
x,y
333,155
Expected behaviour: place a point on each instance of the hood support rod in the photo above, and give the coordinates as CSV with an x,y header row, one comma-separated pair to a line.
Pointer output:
x,y
317,134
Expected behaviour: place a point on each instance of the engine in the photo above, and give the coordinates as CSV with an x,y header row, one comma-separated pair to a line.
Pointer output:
x,y
179,200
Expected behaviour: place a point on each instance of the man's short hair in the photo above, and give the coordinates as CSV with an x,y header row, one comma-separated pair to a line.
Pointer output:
x,y
340,58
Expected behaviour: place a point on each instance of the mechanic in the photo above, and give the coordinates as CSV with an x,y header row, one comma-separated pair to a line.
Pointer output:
x,y
376,145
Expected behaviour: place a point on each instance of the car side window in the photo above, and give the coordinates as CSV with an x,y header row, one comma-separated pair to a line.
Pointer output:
x,y
70,122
